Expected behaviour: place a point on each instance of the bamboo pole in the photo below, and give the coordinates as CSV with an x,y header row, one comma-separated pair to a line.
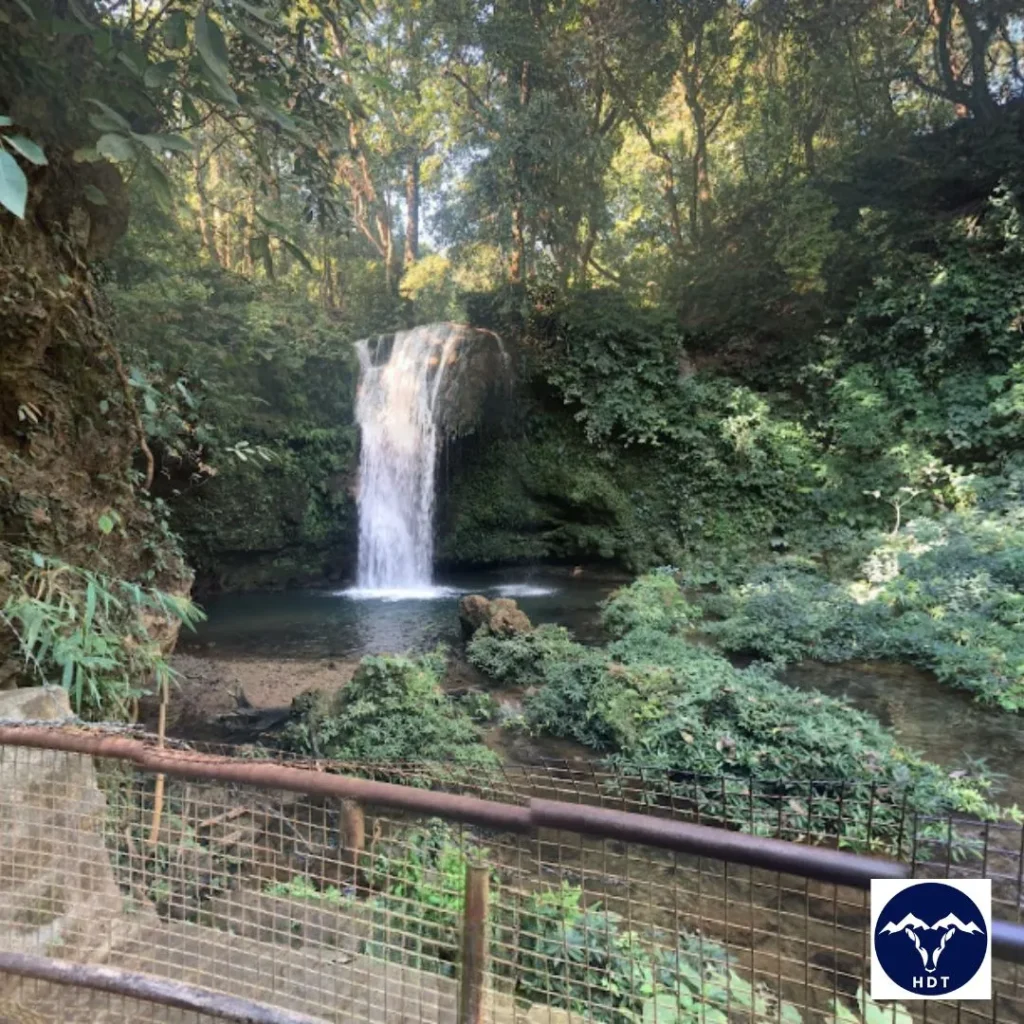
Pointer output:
x,y
158,795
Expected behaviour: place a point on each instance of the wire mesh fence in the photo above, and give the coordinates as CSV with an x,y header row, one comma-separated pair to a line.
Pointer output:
x,y
355,911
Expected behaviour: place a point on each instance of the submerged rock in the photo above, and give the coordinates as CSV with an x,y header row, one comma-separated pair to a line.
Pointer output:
x,y
502,617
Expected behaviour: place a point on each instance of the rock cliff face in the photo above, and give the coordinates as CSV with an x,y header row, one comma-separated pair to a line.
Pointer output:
x,y
72,452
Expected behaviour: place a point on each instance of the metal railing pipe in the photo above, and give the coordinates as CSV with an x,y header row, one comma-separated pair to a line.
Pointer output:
x,y
816,862
1008,941
266,775
149,989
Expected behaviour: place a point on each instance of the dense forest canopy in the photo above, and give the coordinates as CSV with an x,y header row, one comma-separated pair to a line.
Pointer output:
x,y
750,275
669,149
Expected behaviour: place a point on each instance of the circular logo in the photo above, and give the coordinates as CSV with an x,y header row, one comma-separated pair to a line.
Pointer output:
x,y
931,939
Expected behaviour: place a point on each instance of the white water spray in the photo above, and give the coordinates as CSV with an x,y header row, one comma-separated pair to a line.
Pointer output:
x,y
398,415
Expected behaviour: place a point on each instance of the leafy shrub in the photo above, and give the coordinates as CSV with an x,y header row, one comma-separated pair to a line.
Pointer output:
x,y
393,710
945,595
788,614
653,601
652,700
524,660
482,708
89,632
419,886
301,888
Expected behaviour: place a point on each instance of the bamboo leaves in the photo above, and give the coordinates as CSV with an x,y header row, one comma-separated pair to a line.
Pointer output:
x,y
86,630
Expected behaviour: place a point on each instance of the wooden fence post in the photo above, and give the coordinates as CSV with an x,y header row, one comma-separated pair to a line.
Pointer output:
x,y
473,972
353,829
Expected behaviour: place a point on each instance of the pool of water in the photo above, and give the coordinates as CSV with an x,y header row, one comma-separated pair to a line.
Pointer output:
x,y
943,724
349,622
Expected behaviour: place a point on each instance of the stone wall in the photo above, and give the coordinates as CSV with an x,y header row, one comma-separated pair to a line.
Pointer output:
x,y
58,895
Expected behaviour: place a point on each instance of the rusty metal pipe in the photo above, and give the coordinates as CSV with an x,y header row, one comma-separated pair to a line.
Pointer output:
x,y
1008,941
264,775
353,827
149,989
816,862
819,863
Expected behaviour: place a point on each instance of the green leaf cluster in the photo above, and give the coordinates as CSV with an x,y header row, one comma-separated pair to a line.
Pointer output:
x,y
393,710
13,183
550,945
944,594
88,632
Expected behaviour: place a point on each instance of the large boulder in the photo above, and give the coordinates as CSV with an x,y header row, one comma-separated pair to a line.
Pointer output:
x,y
502,617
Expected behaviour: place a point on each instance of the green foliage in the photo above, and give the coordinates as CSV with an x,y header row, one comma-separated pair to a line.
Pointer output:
x,y
912,405
393,710
89,633
725,477
581,958
943,594
482,708
13,183
652,602
118,83
301,888
246,395
420,891
653,700
867,1011
594,340
554,949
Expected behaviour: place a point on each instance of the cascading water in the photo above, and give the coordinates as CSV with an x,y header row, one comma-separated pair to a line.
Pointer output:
x,y
398,415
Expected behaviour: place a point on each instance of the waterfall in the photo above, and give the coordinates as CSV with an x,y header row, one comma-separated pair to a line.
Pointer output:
x,y
398,416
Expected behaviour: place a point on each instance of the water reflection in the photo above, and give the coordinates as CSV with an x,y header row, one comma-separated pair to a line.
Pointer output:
x,y
350,623
943,724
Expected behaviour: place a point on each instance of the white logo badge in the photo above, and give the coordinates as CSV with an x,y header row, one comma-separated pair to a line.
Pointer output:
x,y
931,940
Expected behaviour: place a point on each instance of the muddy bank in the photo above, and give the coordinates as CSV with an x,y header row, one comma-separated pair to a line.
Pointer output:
x,y
225,698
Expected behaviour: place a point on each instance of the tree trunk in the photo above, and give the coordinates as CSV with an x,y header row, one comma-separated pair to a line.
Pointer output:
x,y
227,242
586,252
517,267
700,195
810,161
216,216
412,211
206,225
387,238
250,222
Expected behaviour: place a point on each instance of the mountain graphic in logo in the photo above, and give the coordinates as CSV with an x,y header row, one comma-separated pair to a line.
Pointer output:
x,y
948,925
914,930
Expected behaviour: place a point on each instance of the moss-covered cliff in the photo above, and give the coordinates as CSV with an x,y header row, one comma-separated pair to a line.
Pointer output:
x,y
291,519
618,451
